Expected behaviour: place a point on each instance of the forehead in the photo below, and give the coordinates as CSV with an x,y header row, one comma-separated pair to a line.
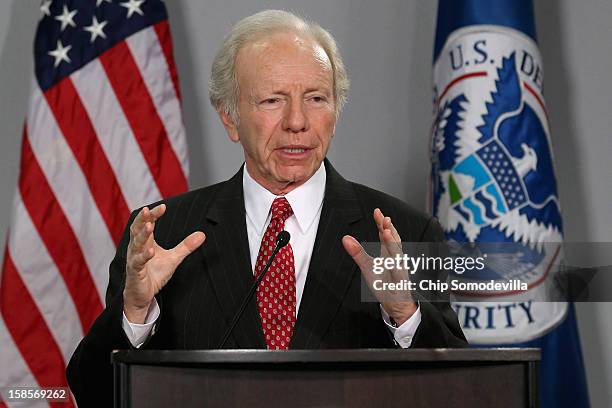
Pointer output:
x,y
282,57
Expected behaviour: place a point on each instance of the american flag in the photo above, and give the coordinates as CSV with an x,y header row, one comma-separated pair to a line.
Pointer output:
x,y
103,135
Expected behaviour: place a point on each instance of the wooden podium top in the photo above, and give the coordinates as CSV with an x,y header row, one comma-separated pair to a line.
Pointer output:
x,y
502,377
181,357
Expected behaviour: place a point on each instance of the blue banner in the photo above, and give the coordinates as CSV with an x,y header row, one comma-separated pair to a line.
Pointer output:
x,y
493,180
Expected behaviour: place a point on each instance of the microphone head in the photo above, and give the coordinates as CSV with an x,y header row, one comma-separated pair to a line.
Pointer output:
x,y
282,239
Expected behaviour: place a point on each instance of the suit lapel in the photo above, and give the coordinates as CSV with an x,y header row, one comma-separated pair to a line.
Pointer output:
x,y
227,259
331,269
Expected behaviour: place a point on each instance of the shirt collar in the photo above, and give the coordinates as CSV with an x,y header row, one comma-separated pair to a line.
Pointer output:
x,y
305,200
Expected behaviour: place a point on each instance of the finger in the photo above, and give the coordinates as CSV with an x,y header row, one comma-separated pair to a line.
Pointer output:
x,y
390,244
187,246
146,215
378,219
387,224
139,221
157,212
139,240
138,260
393,248
384,223
356,251
363,260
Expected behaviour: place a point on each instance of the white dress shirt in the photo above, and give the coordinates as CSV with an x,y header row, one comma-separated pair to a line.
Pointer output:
x,y
306,202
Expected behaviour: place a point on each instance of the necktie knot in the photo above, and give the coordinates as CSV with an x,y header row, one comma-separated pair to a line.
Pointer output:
x,y
281,209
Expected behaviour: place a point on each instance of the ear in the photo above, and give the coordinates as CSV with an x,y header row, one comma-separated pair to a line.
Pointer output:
x,y
229,125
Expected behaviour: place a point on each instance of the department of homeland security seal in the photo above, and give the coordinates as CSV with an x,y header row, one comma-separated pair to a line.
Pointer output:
x,y
493,176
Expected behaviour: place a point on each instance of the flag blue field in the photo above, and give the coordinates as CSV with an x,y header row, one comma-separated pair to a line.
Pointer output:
x,y
493,180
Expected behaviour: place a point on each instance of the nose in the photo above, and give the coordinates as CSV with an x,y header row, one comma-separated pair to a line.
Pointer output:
x,y
295,118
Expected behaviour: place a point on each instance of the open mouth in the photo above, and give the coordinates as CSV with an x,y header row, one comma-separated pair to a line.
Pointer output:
x,y
294,150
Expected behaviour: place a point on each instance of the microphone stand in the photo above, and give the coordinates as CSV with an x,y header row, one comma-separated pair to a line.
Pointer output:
x,y
282,239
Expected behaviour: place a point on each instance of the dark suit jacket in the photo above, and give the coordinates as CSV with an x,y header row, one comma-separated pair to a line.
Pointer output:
x,y
207,288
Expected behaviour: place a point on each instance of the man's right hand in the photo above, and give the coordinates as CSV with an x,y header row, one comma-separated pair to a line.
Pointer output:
x,y
149,267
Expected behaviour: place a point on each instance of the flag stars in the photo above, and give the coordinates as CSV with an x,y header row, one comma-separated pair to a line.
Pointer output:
x,y
96,29
45,8
60,54
98,2
133,6
66,18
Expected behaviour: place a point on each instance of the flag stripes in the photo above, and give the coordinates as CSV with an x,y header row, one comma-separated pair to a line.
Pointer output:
x,y
104,139
115,135
50,293
36,344
11,357
78,132
51,224
70,191
162,29
151,62
136,102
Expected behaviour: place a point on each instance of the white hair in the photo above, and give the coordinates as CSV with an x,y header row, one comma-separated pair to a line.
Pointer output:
x,y
223,85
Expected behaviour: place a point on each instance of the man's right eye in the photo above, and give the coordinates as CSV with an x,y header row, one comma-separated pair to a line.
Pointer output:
x,y
270,101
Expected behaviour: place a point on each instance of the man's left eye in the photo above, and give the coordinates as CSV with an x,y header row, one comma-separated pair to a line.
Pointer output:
x,y
317,99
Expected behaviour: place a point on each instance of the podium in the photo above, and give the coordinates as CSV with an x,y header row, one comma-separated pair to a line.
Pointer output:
x,y
327,378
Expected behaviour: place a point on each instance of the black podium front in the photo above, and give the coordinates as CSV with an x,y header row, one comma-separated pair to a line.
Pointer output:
x,y
327,378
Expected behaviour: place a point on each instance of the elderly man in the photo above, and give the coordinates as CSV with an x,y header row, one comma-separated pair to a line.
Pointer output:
x,y
278,84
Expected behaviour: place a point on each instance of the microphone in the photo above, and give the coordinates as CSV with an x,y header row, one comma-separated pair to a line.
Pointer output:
x,y
282,239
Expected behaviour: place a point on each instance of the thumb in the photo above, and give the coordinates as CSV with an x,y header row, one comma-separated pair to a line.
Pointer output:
x,y
188,245
356,251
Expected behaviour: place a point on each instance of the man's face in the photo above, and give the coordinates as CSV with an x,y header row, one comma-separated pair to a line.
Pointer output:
x,y
286,108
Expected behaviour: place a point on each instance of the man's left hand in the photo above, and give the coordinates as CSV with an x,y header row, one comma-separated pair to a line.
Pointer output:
x,y
398,304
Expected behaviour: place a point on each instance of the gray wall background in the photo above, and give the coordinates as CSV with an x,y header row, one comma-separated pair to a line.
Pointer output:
x,y
382,137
